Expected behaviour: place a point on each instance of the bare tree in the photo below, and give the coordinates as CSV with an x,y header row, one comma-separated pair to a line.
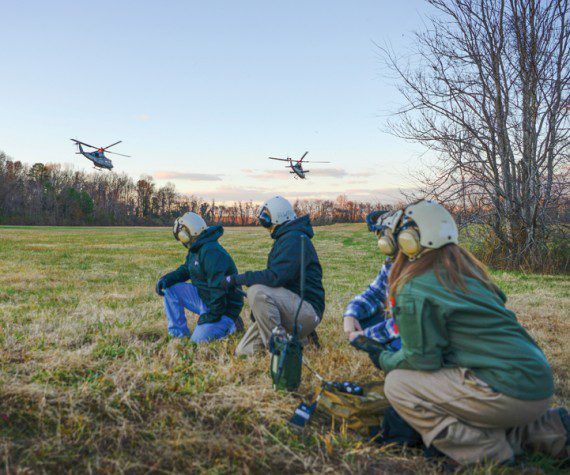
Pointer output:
x,y
487,91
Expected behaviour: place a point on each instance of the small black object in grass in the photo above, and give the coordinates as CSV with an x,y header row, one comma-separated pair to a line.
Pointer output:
x,y
302,415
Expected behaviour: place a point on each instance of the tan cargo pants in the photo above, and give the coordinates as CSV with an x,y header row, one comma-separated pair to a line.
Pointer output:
x,y
466,420
274,306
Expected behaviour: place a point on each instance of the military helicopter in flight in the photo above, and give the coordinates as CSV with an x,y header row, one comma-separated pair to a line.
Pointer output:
x,y
296,166
97,156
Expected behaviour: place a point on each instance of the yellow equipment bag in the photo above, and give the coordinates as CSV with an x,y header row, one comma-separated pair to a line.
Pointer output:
x,y
358,412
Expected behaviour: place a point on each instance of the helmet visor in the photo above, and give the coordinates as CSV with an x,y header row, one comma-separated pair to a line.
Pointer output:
x,y
264,217
181,232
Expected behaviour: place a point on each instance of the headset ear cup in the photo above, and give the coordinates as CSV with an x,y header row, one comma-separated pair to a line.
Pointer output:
x,y
409,242
387,245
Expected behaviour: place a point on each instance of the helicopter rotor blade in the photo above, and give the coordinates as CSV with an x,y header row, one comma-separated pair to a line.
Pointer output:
x,y
280,159
304,155
112,145
115,153
82,143
314,162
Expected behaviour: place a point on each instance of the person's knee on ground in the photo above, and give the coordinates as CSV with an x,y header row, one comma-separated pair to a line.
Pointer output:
x,y
213,331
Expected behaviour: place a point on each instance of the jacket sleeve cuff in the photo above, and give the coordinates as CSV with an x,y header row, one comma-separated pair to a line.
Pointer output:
x,y
174,277
391,360
351,312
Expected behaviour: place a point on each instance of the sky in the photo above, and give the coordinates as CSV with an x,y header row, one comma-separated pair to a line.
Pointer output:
x,y
201,93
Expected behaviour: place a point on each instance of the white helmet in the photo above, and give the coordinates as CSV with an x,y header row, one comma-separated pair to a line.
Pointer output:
x,y
188,227
275,211
426,225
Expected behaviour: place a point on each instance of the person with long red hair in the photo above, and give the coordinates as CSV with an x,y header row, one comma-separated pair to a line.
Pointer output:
x,y
468,376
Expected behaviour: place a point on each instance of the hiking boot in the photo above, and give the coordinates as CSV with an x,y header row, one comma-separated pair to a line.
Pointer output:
x,y
314,339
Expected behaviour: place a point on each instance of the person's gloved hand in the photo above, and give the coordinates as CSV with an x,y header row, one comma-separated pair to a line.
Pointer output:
x,y
208,318
161,286
229,282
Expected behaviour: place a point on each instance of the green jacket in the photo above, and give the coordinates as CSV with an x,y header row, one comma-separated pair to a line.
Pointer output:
x,y
470,329
206,265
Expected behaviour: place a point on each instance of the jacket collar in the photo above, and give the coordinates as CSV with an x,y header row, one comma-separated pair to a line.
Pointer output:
x,y
213,233
302,224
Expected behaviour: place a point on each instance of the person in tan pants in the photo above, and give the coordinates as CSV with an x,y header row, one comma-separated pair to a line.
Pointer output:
x,y
463,417
274,293
275,307
468,377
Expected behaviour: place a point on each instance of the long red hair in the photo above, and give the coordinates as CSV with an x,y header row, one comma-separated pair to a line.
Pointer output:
x,y
451,265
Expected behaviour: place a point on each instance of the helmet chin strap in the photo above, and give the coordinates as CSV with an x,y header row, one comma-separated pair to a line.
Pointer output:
x,y
417,256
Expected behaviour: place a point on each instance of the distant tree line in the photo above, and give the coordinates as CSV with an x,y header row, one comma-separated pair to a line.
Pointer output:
x,y
48,194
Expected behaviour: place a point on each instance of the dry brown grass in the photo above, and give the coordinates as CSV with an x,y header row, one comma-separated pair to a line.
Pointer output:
x,y
89,381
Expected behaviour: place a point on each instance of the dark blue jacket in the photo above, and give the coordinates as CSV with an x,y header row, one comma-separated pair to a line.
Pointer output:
x,y
283,264
207,264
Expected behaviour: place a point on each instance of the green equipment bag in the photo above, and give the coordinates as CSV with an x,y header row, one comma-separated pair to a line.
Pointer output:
x,y
286,363
358,412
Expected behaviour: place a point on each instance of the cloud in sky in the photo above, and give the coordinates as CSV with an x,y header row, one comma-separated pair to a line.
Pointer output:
x,y
230,194
329,172
142,117
167,175
339,173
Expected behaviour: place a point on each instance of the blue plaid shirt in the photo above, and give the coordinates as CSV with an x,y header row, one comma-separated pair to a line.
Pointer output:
x,y
385,332
373,302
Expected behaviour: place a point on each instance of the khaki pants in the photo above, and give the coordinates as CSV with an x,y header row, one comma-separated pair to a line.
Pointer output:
x,y
274,306
466,420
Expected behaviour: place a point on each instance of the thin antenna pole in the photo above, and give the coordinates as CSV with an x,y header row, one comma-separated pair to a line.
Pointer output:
x,y
302,276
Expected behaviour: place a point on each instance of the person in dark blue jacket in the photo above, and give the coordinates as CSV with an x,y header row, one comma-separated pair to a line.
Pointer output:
x,y
206,266
274,294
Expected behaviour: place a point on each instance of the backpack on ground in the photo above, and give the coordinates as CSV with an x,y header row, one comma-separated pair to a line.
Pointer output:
x,y
359,411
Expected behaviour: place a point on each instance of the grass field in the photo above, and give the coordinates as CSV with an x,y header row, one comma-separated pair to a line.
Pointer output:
x,y
90,382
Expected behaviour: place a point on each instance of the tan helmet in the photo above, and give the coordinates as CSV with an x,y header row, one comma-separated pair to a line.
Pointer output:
x,y
385,228
188,227
426,225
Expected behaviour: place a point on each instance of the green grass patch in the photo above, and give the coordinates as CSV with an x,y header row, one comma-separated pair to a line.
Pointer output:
x,y
90,381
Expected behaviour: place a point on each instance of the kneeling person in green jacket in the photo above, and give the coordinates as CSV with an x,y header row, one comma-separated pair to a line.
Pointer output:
x,y
468,377
207,264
